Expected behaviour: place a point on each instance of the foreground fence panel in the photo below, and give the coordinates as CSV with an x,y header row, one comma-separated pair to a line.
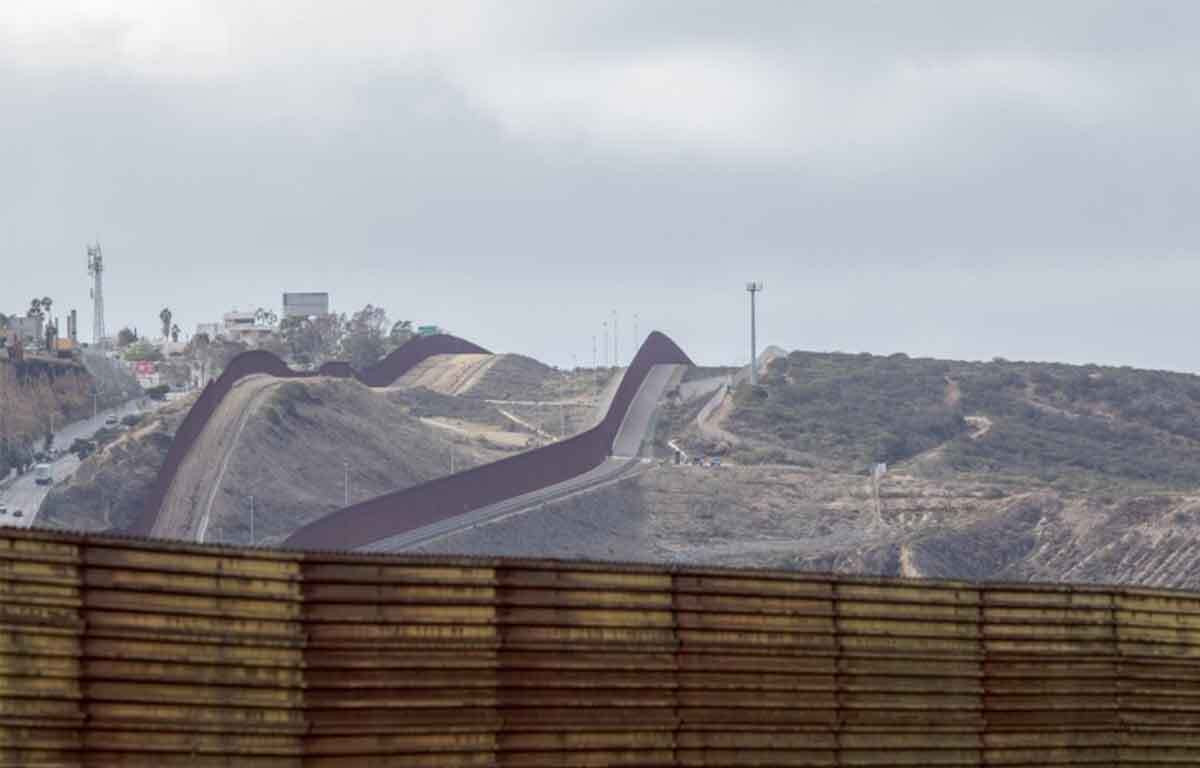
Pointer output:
x,y
117,652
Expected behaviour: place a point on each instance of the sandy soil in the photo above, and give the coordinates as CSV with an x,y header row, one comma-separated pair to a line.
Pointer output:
x,y
187,506
448,374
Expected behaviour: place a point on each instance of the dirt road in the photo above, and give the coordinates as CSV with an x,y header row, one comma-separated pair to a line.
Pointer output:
x,y
447,374
187,507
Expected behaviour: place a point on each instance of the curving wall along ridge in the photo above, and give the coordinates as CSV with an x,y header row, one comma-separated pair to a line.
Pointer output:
x,y
445,497
382,374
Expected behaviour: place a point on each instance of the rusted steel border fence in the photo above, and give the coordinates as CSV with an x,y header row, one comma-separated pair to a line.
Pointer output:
x,y
119,652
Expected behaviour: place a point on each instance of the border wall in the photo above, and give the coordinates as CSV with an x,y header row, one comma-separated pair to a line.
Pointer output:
x,y
123,652
445,497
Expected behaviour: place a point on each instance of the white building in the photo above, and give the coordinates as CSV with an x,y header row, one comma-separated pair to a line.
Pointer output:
x,y
244,327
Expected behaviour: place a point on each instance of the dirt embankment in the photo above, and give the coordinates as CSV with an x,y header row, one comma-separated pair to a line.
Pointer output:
x,y
791,518
447,374
520,378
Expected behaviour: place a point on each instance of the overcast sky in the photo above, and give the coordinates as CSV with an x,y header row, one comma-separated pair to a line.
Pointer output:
x,y
950,179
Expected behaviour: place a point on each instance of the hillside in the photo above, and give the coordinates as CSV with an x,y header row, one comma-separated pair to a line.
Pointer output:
x,y
294,449
38,392
803,519
1075,426
109,487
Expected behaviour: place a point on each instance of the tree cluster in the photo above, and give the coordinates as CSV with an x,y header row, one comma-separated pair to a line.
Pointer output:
x,y
362,339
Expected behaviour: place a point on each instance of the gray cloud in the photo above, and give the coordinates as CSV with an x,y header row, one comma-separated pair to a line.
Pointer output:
x,y
935,179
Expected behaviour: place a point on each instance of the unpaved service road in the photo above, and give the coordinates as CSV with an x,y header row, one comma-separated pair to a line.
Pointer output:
x,y
188,503
448,374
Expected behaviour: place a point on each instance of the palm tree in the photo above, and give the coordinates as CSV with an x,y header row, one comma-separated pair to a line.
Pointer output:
x,y
165,317
175,332
265,317
35,308
46,303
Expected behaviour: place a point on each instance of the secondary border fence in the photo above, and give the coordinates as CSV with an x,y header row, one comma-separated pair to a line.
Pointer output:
x,y
124,652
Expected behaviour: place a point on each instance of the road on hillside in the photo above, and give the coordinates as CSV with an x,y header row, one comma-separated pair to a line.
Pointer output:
x,y
26,495
624,462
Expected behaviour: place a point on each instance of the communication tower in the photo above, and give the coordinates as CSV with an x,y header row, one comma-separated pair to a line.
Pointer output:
x,y
96,270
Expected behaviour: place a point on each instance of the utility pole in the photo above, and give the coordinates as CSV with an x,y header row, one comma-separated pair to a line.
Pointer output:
x,y
616,341
252,520
595,365
607,348
753,288
346,481
451,457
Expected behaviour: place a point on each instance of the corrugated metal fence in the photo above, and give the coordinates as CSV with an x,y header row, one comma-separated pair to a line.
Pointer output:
x,y
116,652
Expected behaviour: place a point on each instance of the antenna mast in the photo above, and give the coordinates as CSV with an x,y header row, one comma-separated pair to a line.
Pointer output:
x,y
96,270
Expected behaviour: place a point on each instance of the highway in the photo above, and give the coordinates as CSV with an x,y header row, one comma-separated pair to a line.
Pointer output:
x,y
26,495
624,462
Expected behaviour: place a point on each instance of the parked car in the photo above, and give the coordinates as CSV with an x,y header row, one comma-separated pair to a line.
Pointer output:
x,y
18,513
111,420
3,509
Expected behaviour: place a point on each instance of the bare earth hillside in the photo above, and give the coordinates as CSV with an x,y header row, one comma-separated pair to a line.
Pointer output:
x,y
800,519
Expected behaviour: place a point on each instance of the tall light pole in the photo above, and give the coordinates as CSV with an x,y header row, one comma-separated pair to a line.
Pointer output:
x,y
753,288
604,325
616,342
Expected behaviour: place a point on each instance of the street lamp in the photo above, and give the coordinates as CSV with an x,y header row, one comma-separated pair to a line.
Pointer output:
x,y
753,288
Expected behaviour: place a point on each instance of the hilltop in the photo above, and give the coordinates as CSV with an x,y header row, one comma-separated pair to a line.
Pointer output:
x,y
1074,426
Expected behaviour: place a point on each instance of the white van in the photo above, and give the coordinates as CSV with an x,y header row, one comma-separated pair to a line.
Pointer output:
x,y
42,474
